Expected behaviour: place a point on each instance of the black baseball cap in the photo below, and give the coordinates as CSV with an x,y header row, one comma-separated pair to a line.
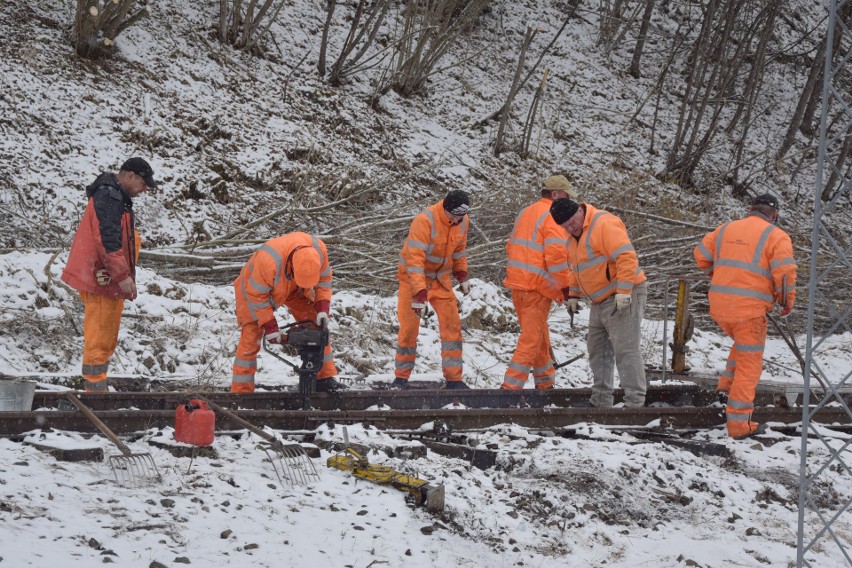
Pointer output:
x,y
766,199
142,168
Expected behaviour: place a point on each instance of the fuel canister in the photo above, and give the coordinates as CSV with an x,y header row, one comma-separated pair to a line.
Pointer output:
x,y
195,423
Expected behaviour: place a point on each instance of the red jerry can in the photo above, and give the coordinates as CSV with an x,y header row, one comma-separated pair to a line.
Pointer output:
x,y
195,423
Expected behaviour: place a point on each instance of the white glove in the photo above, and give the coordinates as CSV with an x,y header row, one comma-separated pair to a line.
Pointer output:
x,y
322,319
103,277
573,305
465,287
622,301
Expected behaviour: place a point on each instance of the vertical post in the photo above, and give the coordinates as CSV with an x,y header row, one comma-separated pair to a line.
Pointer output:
x,y
681,327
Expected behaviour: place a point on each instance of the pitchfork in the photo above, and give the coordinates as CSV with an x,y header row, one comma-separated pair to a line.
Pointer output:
x,y
290,461
129,469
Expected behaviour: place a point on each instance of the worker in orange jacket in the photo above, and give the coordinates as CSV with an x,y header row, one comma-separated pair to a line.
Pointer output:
x,y
751,266
605,268
102,263
434,249
537,273
291,270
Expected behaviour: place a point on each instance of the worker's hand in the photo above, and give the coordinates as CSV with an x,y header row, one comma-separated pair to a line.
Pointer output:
x,y
128,286
419,302
464,281
573,305
103,277
271,332
784,311
322,307
622,301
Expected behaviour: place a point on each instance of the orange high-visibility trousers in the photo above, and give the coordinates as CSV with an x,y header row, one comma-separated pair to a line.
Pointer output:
x,y
446,307
533,350
245,360
746,363
101,320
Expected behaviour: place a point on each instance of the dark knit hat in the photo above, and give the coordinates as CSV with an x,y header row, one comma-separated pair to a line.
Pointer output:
x,y
141,168
457,202
766,199
563,209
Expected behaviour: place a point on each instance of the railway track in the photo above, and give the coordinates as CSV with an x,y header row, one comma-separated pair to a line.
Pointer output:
x,y
669,405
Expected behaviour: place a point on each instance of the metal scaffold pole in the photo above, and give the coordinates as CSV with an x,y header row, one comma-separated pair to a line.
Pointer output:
x,y
823,521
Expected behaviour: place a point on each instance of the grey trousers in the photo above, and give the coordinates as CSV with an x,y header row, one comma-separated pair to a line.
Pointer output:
x,y
614,340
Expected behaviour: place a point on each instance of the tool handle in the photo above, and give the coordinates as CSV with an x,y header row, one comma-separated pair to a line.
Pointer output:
x,y
245,424
783,301
97,422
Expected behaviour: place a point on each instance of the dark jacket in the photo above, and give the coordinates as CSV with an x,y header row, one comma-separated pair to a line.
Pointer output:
x,y
105,239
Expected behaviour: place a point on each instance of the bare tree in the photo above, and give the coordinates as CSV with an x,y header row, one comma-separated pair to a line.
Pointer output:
x,y
97,23
513,90
242,22
365,25
640,40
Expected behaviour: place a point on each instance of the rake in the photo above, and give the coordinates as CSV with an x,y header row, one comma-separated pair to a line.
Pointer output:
x,y
291,462
130,470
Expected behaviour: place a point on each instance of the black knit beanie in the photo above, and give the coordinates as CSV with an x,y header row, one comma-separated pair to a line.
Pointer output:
x,y
457,202
563,209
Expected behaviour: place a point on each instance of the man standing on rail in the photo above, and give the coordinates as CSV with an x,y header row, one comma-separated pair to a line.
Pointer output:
x,y
102,263
291,270
751,266
537,273
434,249
605,268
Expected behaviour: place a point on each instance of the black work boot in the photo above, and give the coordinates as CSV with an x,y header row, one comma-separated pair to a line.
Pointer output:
x,y
722,397
328,385
399,384
455,385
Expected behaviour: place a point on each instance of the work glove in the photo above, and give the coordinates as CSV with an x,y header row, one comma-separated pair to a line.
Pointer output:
x,y
103,277
419,302
322,307
622,301
784,311
464,282
573,305
271,332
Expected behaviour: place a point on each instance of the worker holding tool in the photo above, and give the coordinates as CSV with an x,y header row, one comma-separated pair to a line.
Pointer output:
x,y
605,268
434,249
751,266
291,270
102,263
537,274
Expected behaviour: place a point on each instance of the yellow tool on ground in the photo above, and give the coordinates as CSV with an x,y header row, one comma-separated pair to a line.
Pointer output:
x,y
421,492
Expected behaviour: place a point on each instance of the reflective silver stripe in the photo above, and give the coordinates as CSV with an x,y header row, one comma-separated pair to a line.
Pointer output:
x,y
435,259
779,263
761,244
592,262
323,259
624,285
242,379
558,267
705,252
553,241
527,244
327,357
739,405
415,270
249,363
621,250
256,306
258,286
531,269
277,259
95,386
750,347
513,381
728,373
748,267
458,255
404,365
543,380
519,368
406,350
451,362
543,370
745,292
416,244
603,291
323,285
95,369
451,345
575,290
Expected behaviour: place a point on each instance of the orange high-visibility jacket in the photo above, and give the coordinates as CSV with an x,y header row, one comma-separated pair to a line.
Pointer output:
x,y
749,262
538,255
266,281
603,260
433,250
